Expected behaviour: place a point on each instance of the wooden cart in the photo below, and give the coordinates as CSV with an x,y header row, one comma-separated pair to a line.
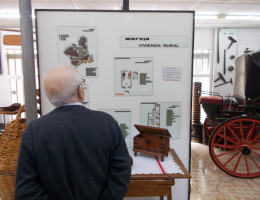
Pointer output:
x,y
233,124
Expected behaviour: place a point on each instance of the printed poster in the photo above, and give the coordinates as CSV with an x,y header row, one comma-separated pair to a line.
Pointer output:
x,y
133,76
162,115
77,46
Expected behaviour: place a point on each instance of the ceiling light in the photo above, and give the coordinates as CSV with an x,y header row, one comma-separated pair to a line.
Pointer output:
x,y
226,16
221,16
243,17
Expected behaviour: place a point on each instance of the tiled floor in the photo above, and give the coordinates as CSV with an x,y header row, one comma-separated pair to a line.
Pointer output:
x,y
208,182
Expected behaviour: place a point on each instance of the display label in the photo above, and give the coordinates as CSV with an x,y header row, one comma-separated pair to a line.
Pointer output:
x,y
172,73
154,41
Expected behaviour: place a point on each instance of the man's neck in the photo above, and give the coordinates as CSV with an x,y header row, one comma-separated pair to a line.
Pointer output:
x,y
72,104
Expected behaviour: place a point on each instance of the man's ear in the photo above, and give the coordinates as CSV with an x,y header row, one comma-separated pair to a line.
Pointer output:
x,y
80,93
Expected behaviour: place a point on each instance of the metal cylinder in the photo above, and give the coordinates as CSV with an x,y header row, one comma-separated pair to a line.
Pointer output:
x,y
196,103
28,60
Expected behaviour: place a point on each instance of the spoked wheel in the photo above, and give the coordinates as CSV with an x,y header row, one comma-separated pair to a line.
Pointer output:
x,y
209,126
235,147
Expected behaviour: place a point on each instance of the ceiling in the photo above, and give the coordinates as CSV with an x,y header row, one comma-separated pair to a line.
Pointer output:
x,y
209,13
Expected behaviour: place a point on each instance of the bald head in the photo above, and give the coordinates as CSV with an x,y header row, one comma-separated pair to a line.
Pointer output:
x,y
63,85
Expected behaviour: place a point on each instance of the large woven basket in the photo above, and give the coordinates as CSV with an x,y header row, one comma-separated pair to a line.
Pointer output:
x,y
9,150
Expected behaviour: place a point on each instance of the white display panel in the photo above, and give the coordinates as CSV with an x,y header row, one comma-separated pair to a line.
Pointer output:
x,y
123,117
171,39
86,93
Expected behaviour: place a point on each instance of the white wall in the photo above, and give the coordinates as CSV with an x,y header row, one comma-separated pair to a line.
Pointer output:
x,y
206,39
248,38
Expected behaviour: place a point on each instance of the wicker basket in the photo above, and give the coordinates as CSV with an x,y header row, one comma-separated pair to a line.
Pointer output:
x,y
9,150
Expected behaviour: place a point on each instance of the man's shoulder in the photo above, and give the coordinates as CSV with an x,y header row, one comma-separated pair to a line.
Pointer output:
x,y
42,119
58,112
102,115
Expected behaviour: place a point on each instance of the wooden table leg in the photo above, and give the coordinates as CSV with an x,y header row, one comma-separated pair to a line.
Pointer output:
x,y
169,196
161,198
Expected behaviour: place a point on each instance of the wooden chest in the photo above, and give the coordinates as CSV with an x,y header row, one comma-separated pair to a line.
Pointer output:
x,y
152,140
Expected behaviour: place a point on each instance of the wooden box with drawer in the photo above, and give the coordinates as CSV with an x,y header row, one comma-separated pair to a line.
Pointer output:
x,y
152,140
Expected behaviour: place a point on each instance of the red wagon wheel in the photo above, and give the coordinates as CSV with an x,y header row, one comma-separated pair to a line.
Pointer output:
x,y
235,147
209,126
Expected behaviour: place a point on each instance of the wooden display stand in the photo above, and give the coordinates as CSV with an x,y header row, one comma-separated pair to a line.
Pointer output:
x,y
142,185
152,140
144,188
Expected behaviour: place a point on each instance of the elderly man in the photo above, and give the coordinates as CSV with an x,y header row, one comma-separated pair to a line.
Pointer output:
x,y
71,153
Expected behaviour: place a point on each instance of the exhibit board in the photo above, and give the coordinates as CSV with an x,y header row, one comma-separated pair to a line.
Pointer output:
x,y
135,61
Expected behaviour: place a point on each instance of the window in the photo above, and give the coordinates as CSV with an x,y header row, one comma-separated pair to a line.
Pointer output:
x,y
202,72
15,72
202,69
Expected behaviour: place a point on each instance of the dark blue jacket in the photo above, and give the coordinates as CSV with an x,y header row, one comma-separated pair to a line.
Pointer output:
x,y
73,153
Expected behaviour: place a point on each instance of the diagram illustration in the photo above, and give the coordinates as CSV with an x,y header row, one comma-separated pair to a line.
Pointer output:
x,y
133,76
78,53
77,46
153,117
123,117
163,115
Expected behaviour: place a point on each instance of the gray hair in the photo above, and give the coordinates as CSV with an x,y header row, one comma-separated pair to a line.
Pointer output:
x,y
61,85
